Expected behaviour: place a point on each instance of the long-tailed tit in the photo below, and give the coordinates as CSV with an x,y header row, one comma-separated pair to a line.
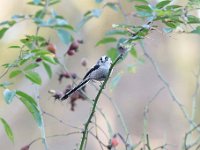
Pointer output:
x,y
99,73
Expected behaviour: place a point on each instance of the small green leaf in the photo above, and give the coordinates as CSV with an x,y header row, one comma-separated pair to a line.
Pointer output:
x,y
9,95
49,58
162,4
2,32
14,46
48,69
83,21
7,129
34,77
31,66
53,2
133,52
64,36
116,32
106,40
33,110
113,6
29,98
171,24
112,53
14,73
145,8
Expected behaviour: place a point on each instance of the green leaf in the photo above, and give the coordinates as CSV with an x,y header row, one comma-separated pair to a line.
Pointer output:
x,y
64,36
106,40
141,1
14,46
2,32
171,24
112,53
116,32
173,7
83,22
9,95
133,52
14,73
145,8
33,110
49,58
29,98
31,66
34,77
113,6
53,2
163,4
7,129
48,69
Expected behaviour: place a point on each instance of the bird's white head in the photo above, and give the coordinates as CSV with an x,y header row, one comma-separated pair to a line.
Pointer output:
x,y
105,61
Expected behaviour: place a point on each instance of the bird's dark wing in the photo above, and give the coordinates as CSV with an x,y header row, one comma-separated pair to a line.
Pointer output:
x,y
92,69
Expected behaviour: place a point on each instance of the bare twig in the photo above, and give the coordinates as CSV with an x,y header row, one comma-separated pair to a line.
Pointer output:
x,y
186,136
146,109
148,143
168,87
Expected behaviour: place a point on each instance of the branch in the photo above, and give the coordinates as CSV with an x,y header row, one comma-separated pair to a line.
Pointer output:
x,y
185,138
95,103
166,84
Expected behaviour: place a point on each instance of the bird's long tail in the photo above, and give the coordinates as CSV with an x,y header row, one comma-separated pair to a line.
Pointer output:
x,y
82,84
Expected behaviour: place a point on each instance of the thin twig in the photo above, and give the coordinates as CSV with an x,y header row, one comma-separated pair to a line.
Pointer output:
x,y
148,143
146,109
168,87
186,136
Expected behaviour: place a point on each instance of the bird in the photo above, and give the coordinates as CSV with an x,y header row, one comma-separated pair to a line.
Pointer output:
x,y
98,72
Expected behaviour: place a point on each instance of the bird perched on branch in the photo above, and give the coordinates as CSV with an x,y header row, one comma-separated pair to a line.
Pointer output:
x,y
99,73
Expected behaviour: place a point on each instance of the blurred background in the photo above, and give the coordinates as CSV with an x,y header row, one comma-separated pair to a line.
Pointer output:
x,y
176,54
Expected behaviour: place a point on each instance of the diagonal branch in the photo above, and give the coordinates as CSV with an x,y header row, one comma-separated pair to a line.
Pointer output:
x,y
84,138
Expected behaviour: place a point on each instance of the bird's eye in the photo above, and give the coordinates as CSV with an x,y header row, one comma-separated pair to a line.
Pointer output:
x,y
106,58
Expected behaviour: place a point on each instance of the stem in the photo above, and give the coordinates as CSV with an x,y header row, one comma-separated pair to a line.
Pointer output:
x,y
42,128
84,138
